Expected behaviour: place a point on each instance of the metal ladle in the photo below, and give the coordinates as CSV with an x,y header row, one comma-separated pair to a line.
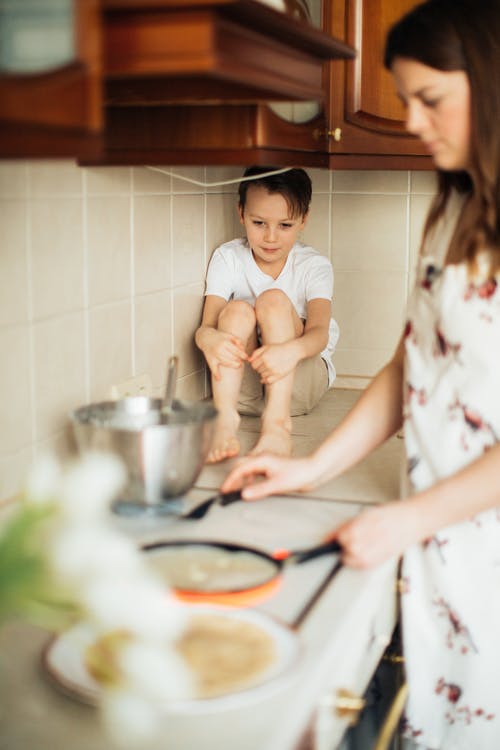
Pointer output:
x,y
166,407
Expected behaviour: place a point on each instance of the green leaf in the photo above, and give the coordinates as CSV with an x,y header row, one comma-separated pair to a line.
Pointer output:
x,y
27,588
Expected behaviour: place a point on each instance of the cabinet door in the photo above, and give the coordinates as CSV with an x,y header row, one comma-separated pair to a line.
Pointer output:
x,y
50,78
366,118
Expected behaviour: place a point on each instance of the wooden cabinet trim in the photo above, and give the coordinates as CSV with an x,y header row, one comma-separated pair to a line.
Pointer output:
x,y
249,14
174,49
241,42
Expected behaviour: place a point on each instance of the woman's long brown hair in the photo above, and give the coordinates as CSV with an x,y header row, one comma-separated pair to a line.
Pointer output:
x,y
451,35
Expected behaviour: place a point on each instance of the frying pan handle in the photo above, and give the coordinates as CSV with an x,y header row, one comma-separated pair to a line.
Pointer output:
x,y
300,556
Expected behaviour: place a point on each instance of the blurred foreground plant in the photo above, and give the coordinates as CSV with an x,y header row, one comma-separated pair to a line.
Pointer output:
x,y
27,587
61,560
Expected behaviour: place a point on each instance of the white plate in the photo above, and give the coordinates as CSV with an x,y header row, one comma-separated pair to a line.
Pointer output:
x,y
63,661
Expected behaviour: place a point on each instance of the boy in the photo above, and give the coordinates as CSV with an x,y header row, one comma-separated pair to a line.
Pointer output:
x,y
267,333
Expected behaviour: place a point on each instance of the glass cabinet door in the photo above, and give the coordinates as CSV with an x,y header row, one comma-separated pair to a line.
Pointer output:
x,y
307,11
36,36
50,78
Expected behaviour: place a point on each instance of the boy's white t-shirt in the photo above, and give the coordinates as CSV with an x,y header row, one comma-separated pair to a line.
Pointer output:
x,y
234,274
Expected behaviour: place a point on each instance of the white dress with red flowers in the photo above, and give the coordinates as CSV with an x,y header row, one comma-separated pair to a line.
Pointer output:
x,y
451,605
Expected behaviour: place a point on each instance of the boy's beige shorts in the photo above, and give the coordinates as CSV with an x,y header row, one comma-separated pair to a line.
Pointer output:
x,y
309,385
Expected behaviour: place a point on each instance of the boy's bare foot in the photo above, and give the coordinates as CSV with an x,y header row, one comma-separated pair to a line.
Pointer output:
x,y
225,444
275,438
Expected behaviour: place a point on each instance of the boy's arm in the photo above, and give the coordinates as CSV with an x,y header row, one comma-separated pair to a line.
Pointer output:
x,y
316,331
219,348
316,328
212,308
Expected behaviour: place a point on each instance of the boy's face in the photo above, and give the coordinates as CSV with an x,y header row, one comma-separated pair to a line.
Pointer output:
x,y
270,230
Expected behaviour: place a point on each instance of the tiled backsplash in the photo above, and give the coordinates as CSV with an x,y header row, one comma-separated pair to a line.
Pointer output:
x,y
101,279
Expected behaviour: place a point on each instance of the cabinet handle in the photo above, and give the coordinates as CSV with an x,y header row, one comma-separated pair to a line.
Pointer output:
x,y
336,134
346,705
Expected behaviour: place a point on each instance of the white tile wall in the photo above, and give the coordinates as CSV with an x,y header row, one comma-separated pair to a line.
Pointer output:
x,y
101,279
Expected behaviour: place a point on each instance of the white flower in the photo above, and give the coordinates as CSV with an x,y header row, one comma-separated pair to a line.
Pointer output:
x,y
89,486
83,553
140,605
156,671
152,676
130,719
43,481
118,593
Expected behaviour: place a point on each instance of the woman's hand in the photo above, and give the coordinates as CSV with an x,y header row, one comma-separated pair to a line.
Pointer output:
x,y
378,534
267,474
221,348
274,361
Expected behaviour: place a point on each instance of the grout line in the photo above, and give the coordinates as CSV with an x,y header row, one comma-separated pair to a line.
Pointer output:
x,y
86,293
171,274
206,254
132,208
31,327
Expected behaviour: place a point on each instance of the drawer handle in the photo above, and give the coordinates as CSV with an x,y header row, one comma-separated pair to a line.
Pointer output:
x,y
346,705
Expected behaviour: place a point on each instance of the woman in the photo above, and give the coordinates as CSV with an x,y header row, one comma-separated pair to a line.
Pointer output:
x,y
443,385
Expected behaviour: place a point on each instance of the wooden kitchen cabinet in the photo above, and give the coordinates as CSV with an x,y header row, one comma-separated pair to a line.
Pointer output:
x,y
187,83
366,118
359,123
151,67
164,52
50,107
191,82
203,135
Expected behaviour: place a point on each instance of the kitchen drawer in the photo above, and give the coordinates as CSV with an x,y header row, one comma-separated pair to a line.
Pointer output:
x,y
357,657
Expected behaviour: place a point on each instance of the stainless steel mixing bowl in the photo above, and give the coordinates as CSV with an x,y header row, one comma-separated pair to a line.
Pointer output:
x,y
163,452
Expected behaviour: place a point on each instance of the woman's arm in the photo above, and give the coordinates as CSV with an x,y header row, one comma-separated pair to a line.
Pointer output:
x,y
473,489
388,530
374,418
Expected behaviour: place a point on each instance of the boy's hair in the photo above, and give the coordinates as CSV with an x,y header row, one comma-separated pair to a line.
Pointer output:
x,y
294,185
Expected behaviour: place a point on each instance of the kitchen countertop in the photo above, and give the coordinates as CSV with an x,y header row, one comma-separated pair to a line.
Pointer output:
x,y
343,636
375,479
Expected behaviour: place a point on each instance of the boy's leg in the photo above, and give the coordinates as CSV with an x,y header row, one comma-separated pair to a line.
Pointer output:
x,y
237,318
278,322
251,401
309,385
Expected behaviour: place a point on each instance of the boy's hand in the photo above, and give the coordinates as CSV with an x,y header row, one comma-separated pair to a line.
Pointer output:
x,y
222,348
274,361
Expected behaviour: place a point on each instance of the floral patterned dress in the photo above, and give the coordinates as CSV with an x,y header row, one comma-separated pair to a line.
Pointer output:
x,y
451,604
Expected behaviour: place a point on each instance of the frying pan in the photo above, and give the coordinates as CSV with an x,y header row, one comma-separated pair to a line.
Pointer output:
x,y
239,575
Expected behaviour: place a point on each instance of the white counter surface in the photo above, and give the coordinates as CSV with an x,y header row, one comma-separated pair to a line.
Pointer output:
x,y
373,480
343,637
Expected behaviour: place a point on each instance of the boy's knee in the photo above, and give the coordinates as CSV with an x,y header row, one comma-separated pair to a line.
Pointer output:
x,y
272,301
238,310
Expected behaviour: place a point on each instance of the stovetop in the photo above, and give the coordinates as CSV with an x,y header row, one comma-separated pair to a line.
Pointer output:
x,y
269,524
